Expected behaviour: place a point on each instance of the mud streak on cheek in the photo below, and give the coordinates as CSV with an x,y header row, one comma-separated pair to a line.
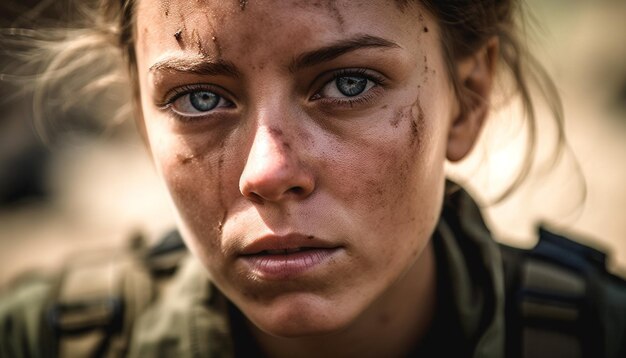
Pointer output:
x,y
417,123
220,187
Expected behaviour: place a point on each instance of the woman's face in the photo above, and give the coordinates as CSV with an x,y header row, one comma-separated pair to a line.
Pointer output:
x,y
302,143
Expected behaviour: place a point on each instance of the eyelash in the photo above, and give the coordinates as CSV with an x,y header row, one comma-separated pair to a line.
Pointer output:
x,y
379,81
172,96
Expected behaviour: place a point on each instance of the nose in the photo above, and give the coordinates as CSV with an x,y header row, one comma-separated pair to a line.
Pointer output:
x,y
274,170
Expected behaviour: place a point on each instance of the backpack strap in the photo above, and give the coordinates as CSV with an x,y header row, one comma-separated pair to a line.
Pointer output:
x,y
555,292
100,294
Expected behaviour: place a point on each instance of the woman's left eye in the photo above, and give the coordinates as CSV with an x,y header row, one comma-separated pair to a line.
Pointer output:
x,y
349,85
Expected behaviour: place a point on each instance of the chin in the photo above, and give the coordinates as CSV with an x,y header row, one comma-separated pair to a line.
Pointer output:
x,y
292,318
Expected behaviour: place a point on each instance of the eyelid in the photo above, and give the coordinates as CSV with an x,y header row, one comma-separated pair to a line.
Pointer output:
x,y
175,93
379,80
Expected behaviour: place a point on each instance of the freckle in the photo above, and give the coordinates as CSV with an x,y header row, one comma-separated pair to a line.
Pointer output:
x,y
425,29
165,4
310,237
384,107
286,146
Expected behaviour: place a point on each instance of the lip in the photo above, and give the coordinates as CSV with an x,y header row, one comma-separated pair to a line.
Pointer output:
x,y
284,257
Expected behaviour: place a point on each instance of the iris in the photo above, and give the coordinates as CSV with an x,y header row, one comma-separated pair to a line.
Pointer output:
x,y
203,101
350,85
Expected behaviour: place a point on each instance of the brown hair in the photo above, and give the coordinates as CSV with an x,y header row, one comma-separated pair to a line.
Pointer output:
x,y
465,26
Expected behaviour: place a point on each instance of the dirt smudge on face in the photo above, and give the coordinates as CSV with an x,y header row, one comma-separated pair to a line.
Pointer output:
x,y
414,114
332,8
417,122
220,188
218,47
275,131
179,35
195,38
165,7
278,133
397,116
185,158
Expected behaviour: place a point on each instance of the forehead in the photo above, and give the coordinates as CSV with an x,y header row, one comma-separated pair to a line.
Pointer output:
x,y
254,30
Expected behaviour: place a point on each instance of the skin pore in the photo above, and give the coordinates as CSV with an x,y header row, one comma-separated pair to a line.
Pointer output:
x,y
252,124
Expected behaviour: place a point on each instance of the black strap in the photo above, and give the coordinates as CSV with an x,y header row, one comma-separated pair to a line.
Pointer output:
x,y
551,303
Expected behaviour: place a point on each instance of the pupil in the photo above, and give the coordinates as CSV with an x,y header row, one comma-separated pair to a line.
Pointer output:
x,y
203,101
351,86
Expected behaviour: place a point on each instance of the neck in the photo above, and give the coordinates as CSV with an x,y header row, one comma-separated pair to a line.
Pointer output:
x,y
392,326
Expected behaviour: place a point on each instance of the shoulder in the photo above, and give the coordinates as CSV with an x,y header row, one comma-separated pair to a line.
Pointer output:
x,y
21,310
560,295
137,302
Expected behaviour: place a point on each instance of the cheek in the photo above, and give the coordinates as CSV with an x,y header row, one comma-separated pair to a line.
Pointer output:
x,y
194,178
391,169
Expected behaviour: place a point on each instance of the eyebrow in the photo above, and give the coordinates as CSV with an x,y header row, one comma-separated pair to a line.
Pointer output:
x,y
207,67
196,65
339,48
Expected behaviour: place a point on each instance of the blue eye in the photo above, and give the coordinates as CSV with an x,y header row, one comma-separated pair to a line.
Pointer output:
x,y
351,85
197,102
203,101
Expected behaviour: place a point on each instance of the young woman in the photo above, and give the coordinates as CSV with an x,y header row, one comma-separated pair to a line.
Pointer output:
x,y
303,145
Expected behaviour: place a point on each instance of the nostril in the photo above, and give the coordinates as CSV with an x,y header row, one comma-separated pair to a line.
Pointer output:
x,y
256,198
296,190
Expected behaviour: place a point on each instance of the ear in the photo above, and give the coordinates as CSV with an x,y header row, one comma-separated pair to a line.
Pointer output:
x,y
475,75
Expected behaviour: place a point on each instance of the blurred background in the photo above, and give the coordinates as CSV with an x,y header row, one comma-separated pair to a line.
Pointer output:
x,y
96,188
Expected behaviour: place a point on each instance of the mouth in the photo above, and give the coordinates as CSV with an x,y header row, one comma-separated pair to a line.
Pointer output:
x,y
287,251
286,257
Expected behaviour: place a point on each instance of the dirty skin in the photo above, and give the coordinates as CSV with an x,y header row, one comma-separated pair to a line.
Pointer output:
x,y
417,122
278,133
415,115
331,8
185,159
220,174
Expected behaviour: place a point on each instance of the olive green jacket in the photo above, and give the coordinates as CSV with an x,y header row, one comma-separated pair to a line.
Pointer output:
x,y
187,318
184,315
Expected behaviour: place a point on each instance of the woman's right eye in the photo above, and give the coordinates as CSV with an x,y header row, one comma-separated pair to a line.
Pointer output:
x,y
195,103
